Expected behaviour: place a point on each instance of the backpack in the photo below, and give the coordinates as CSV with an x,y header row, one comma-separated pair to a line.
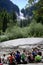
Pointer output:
x,y
38,58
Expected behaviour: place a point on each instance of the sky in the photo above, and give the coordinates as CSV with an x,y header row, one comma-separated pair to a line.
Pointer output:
x,y
21,3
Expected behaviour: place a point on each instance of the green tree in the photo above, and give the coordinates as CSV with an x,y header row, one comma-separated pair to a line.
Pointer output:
x,y
14,17
38,13
4,19
31,2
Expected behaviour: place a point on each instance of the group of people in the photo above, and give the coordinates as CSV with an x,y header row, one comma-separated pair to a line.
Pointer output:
x,y
23,57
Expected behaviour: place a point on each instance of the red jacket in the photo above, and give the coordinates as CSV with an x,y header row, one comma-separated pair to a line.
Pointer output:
x,y
11,58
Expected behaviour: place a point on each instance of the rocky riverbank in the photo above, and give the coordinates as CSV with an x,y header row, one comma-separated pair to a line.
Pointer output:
x,y
23,43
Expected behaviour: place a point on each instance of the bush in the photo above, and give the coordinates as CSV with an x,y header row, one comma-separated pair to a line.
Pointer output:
x,y
14,32
35,29
3,38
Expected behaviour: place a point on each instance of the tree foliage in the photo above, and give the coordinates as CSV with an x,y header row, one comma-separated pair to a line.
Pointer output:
x,y
32,1
38,13
5,19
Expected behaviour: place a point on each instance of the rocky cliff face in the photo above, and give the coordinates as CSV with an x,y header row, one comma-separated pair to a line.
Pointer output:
x,y
28,11
9,6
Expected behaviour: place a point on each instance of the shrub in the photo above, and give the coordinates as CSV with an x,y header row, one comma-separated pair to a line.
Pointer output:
x,y
35,29
3,38
14,32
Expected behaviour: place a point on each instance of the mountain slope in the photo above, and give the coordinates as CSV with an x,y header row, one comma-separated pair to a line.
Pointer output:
x,y
9,6
28,11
